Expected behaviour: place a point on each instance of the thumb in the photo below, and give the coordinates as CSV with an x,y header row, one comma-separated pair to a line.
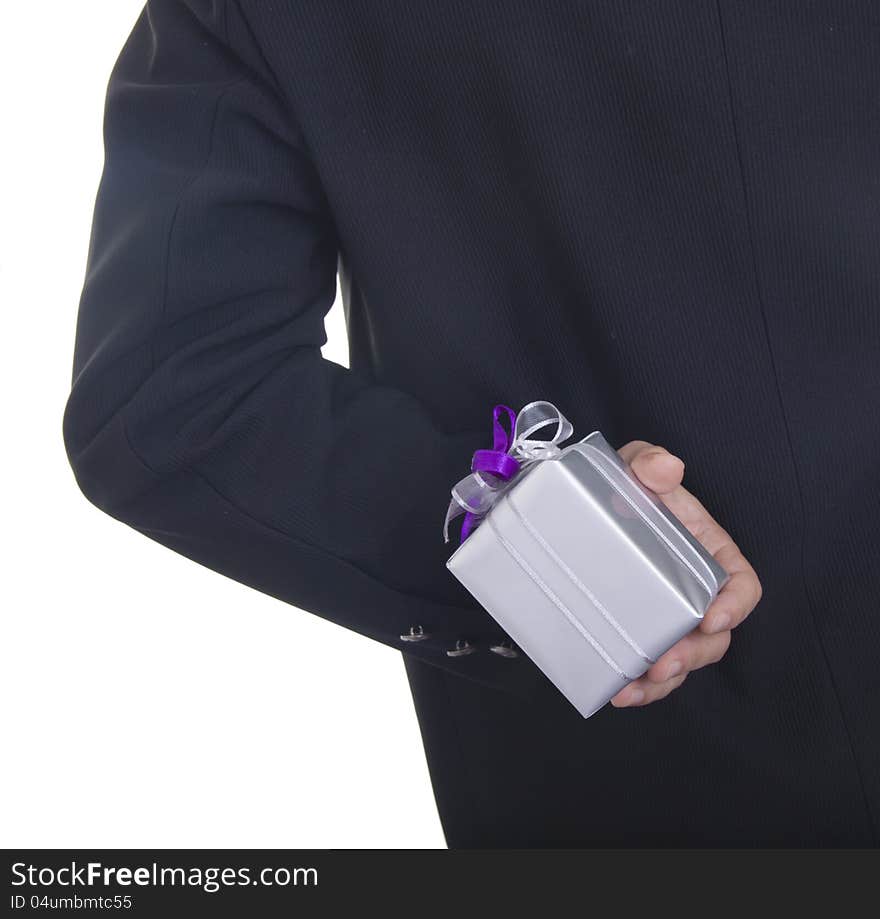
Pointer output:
x,y
655,467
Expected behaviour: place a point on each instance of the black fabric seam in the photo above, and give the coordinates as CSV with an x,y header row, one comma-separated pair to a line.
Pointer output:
x,y
786,426
181,197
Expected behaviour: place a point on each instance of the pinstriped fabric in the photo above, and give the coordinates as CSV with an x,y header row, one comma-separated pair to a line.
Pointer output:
x,y
661,216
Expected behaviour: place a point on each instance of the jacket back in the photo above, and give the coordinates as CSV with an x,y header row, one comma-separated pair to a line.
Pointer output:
x,y
663,217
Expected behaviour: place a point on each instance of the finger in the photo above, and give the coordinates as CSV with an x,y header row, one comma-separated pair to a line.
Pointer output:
x,y
739,596
662,472
743,591
697,519
655,467
628,451
691,512
642,456
692,652
643,692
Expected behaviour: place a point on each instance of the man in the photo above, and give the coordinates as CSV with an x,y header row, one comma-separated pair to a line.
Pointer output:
x,y
660,216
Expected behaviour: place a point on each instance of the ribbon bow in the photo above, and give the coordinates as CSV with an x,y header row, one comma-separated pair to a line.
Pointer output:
x,y
494,471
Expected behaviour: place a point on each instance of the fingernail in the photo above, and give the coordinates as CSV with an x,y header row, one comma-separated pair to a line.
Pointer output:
x,y
719,624
674,670
635,696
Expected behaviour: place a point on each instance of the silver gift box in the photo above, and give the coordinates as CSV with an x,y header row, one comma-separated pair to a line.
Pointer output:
x,y
587,571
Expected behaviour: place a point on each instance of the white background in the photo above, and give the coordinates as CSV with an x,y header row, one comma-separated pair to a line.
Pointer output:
x,y
147,701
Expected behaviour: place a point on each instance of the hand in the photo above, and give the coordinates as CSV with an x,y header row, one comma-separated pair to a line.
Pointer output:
x,y
662,472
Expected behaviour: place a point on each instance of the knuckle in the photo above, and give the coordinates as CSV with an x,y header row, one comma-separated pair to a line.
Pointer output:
x,y
671,686
721,647
655,674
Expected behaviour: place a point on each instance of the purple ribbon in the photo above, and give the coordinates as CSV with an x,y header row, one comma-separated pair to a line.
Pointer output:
x,y
496,461
494,471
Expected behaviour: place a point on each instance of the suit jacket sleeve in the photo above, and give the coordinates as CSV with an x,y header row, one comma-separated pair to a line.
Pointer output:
x,y
202,412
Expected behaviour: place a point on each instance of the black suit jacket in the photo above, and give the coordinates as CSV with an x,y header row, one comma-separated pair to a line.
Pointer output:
x,y
661,216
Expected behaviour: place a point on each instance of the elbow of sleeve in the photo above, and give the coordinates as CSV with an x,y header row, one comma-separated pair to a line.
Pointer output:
x,y
106,469
178,510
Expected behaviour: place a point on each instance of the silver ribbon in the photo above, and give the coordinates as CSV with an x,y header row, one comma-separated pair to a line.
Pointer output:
x,y
477,493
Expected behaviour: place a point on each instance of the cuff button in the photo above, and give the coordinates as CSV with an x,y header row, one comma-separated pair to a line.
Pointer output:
x,y
462,648
416,633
